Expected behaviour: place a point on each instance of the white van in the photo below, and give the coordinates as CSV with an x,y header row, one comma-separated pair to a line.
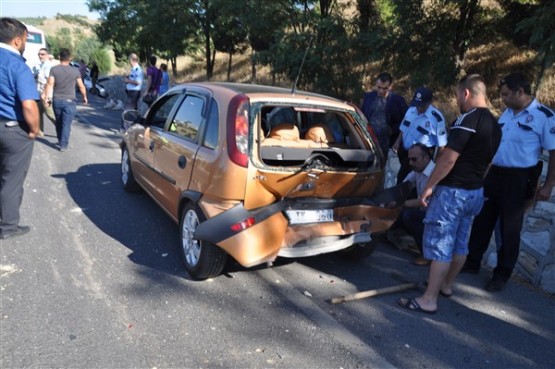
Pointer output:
x,y
35,41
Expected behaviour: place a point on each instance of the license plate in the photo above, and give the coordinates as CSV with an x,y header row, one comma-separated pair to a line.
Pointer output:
x,y
309,216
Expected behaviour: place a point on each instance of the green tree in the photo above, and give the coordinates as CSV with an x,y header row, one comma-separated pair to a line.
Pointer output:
x,y
535,28
62,39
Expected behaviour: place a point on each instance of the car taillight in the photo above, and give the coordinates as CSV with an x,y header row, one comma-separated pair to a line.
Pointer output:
x,y
247,223
238,130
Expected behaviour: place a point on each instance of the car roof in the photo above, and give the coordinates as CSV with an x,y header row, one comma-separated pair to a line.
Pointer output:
x,y
254,89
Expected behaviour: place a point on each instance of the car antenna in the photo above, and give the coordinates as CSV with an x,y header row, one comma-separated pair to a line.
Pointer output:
x,y
301,67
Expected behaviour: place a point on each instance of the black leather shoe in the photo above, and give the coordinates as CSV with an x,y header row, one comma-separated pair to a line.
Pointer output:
x,y
495,285
19,231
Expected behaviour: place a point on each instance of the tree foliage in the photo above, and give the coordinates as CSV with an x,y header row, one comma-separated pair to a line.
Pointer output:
x,y
333,40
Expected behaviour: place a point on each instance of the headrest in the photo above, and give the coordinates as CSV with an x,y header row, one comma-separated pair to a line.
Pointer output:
x,y
285,132
320,133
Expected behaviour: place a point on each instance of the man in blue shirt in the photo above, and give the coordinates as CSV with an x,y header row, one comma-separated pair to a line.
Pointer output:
x,y
528,128
384,111
19,124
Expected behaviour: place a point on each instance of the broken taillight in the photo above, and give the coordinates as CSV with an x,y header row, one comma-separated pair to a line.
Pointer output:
x,y
238,130
241,226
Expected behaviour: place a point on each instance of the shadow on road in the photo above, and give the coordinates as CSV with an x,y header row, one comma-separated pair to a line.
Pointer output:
x,y
134,220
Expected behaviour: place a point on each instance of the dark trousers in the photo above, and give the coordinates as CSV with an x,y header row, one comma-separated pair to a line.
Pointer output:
x,y
132,102
16,150
505,200
411,220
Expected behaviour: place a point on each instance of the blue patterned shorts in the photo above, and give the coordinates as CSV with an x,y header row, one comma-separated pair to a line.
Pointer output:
x,y
448,222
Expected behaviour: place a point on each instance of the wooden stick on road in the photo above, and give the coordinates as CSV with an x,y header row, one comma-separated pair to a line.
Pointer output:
x,y
370,293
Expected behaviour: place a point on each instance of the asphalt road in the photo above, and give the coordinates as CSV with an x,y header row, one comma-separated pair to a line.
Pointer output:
x,y
98,284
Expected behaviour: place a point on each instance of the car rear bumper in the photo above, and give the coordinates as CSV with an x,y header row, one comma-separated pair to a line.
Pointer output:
x,y
269,233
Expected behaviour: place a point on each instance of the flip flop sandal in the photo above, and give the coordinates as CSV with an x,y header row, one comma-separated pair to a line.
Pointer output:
x,y
424,285
413,305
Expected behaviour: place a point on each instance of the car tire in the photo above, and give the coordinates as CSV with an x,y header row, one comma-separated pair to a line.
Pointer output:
x,y
202,259
360,250
127,177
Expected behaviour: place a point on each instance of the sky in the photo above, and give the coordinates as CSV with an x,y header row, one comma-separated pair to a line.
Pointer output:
x,y
44,8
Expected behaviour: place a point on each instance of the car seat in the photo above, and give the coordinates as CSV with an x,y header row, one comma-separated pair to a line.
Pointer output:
x,y
320,133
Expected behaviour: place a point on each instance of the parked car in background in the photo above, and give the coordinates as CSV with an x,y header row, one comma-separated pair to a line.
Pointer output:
x,y
256,172
99,89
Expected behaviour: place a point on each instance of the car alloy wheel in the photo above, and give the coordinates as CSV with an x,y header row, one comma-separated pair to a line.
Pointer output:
x,y
201,259
127,177
191,247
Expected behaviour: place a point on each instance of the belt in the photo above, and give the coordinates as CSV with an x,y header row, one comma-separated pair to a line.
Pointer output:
x,y
506,171
66,100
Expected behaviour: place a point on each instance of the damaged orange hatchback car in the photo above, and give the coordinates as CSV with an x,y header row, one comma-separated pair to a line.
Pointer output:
x,y
257,172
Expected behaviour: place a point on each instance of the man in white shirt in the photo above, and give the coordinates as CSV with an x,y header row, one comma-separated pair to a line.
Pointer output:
x,y
41,72
412,215
134,83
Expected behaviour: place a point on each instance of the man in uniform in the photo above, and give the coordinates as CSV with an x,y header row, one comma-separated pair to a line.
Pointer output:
x,y
19,124
384,110
458,195
422,123
528,127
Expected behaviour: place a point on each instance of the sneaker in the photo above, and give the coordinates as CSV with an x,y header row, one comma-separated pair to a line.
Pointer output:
x,y
19,231
110,104
63,149
118,106
495,285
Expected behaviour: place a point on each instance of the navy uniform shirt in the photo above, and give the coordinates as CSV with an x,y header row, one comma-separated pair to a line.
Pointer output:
x,y
524,136
427,128
16,83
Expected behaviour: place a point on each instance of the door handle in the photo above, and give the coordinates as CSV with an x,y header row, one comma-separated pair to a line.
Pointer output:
x,y
182,161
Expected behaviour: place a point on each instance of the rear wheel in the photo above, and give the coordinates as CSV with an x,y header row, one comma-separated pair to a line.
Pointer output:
x,y
202,259
127,177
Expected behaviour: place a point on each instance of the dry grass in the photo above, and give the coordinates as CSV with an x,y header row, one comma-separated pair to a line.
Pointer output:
x,y
493,61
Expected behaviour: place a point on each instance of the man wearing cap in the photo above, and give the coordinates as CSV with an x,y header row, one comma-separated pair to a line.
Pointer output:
x,y
384,111
422,123
528,128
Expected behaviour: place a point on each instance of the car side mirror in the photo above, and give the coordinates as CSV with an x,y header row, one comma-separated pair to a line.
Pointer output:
x,y
131,117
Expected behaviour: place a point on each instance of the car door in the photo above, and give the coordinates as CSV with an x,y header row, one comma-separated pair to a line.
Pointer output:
x,y
144,139
175,151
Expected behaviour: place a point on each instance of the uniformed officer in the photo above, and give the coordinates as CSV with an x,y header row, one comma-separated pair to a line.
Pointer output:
x,y
19,124
528,127
423,123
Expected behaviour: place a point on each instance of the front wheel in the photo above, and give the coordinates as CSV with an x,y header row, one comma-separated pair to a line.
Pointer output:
x,y
127,177
202,259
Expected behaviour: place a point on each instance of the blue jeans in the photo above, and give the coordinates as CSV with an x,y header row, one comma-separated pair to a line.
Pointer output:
x,y
449,220
64,110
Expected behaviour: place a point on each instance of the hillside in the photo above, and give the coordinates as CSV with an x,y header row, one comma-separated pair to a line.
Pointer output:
x,y
492,60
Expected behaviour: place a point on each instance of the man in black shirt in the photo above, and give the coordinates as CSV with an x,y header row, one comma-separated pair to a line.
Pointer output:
x,y
458,197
